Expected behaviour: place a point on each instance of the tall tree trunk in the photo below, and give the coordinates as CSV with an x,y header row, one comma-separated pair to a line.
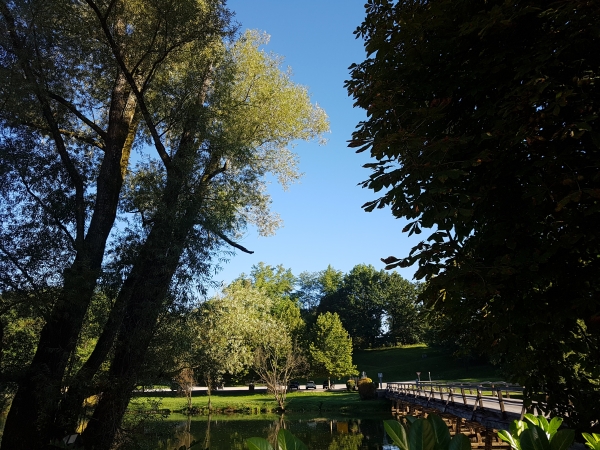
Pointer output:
x,y
148,282
29,424
151,277
81,385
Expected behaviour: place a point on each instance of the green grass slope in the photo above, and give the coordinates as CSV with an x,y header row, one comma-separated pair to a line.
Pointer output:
x,y
403,363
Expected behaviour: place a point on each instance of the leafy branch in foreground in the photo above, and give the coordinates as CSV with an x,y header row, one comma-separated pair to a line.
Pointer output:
x,y
538,433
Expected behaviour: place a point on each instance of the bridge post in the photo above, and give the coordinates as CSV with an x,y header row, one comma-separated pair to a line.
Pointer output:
x,y
501,402
489,433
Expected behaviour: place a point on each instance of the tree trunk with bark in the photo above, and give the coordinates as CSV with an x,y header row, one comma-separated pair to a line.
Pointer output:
x,y
29,423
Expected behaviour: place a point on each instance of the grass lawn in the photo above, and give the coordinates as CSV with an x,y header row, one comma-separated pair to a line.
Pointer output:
x,y
396,364
339,402
403,363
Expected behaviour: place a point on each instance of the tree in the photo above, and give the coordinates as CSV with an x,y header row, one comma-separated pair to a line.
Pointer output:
x,y
404,316
359,302
482,125
331,348
277,283
66,140
219,117
276,361
313,286
226,331
242,113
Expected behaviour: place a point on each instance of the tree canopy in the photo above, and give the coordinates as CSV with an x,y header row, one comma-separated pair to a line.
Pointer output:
x,y
331,347
84,85
483,127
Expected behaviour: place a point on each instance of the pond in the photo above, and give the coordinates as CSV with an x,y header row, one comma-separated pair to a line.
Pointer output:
x,y
230,432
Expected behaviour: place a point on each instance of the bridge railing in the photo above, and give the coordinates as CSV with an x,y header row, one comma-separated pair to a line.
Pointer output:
x,y
484,395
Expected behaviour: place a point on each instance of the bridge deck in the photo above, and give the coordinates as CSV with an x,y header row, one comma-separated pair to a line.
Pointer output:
x,y
491,404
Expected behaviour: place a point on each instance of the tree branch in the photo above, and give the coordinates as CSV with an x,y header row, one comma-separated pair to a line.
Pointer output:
x,y
16,263
83,118
160,148
42,97
233,244
39,201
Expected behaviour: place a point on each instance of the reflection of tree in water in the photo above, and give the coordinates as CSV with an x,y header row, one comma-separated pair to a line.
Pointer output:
x,y
207,435
277,425
347,436
346,442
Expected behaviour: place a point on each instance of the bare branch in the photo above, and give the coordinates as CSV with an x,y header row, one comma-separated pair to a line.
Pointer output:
x,y
232,243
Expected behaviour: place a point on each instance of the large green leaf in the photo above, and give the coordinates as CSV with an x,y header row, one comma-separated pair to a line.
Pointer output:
x,y
562,439
397,433
532,418
440,429
287,441
256,443
554,425
534,438
421,435
543,424
507,437
460,442
517,427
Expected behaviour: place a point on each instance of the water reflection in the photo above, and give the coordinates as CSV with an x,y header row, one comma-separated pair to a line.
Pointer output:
x,y
226,432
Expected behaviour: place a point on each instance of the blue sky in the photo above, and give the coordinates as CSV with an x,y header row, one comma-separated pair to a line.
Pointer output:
x,y
323,220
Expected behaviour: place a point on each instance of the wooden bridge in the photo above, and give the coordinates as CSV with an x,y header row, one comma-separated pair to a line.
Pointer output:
x,y
475,409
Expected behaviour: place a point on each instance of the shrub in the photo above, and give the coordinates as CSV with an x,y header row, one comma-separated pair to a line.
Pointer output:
x,y
350,385
367,389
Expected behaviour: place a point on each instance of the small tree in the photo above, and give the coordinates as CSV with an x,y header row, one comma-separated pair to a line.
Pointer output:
x,y
224,333
331,349
185,381
277,360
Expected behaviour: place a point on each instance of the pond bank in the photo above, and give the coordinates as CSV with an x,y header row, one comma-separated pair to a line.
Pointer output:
x,y
229,402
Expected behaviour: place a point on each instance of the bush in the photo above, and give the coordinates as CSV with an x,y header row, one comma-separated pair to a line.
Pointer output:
x,y
350,385
367,389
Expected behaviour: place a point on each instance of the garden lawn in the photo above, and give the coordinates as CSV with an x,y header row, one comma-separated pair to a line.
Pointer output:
x,y
403,363
337,402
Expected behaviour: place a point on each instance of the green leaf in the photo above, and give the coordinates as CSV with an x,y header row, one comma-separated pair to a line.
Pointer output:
x,y
421,435
440,429
397,433
593,440
531,418
411,419
543,423
562,440
507,437
534,438
256,443
460,442
554,425
517,427
287,441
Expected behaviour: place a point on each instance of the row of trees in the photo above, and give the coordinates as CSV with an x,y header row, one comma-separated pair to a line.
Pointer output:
x,y
268,326
272,326
375,307
135,138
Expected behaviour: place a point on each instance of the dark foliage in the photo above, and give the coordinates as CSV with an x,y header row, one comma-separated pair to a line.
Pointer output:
x,y
483,126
